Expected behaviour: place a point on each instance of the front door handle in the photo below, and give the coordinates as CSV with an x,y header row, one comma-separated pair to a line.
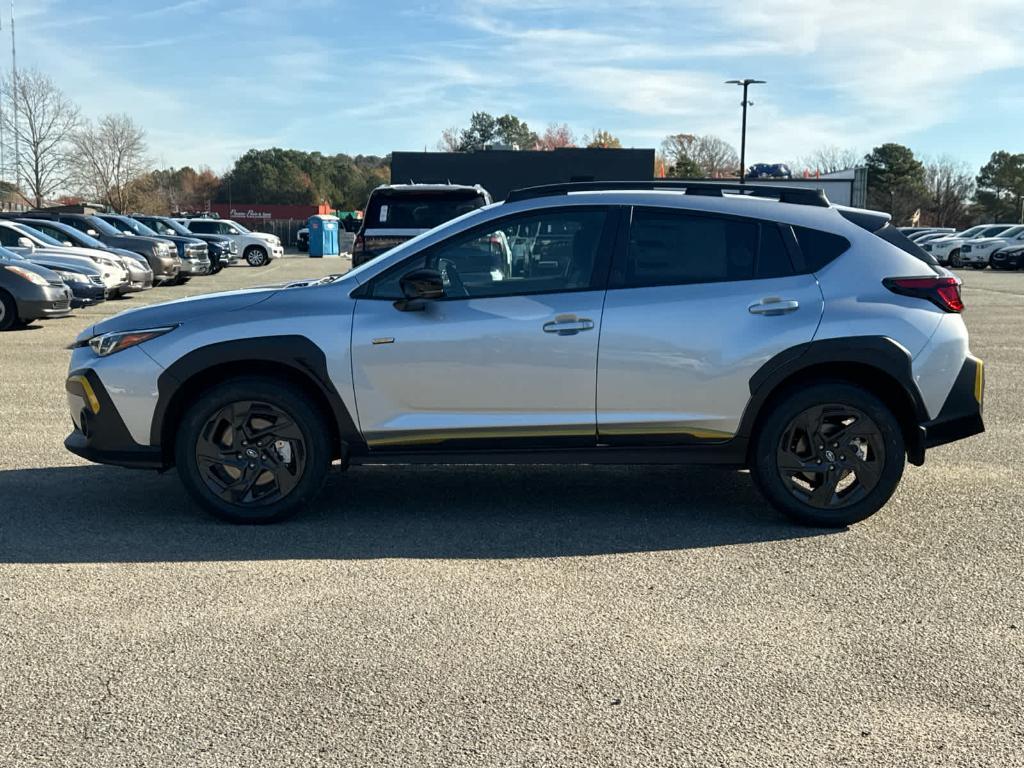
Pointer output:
x,y
773,305
568,325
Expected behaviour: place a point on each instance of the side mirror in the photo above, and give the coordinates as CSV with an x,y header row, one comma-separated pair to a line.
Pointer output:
x,y
68,243
419,287
24,242
92,233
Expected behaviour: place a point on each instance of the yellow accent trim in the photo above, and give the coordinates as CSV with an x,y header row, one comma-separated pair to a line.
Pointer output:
x,y
90,396
979,382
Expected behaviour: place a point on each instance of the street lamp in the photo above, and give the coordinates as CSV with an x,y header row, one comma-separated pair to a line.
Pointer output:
x,y
746,83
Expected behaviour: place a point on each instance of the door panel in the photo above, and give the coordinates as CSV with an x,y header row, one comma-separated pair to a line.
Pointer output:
x,y
478,371
676,360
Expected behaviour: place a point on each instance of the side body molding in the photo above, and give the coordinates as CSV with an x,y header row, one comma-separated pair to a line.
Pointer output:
x,y
301,356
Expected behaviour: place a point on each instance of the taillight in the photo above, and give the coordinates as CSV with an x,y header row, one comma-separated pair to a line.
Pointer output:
x,y
943,292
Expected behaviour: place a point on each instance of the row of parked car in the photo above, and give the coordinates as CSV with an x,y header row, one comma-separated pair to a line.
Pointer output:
x,y
54,262
1000,246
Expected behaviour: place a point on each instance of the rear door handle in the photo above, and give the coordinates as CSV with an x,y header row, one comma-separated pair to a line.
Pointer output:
x,y
568,326
773,305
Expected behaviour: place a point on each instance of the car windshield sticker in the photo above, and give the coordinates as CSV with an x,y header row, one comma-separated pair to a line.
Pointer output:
x,y
383,214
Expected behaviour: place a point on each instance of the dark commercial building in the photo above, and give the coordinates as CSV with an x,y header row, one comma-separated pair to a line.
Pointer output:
x,y
501,170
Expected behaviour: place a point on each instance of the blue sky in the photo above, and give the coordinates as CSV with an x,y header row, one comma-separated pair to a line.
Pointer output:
x,y
209,79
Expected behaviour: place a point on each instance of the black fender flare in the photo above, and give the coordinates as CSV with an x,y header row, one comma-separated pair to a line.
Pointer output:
x,y
879,352
297,353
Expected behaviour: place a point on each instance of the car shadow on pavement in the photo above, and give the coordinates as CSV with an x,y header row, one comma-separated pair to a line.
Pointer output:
x,y
106,514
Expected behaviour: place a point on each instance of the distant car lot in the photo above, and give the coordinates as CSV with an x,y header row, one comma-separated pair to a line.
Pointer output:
x,y
485,616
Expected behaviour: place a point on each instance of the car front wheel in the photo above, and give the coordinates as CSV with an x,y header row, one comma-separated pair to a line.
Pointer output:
x,y
8,312
256,256
829,455
252,450
954,259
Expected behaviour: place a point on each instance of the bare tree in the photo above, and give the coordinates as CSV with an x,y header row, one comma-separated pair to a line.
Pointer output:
x,y
708,156
451,140
949,184
557,137
830,158
42,120
110,158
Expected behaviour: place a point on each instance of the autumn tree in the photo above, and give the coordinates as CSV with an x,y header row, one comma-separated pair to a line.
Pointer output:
x,y
602,140
557,136
41,119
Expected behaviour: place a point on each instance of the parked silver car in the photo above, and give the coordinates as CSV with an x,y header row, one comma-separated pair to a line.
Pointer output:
x,y
757,327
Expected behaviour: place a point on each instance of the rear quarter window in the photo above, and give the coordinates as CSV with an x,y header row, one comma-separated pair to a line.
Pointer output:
x,y
819,248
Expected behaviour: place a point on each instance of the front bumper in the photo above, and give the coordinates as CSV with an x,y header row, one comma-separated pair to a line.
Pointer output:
x,y
195,267
975,255
960,416
51,301
100,434
276,251
1013,260
86,294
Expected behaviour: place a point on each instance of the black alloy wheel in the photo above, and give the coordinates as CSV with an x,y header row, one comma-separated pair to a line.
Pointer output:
x,y
251,453
828,453
253,449
831,456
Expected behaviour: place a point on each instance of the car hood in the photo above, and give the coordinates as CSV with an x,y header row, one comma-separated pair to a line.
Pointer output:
x,y
180,310
89,253
47,257
990,241
39,269
263,236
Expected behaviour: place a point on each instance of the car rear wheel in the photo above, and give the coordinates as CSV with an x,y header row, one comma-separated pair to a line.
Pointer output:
x,y
829,455
252,451
256,256
954,258
8,312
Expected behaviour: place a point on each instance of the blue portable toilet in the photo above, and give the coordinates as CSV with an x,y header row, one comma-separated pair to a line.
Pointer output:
x,y
323,236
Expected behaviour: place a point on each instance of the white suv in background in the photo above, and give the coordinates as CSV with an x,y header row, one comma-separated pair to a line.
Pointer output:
x,y
946,250
977,252
257,248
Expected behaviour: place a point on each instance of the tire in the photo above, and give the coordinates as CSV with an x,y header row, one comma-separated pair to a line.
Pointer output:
x,y
181,279
256,256
260,481
867,464
954,259
979,266
8,312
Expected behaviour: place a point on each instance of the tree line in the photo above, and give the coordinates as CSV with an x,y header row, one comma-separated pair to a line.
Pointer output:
x,y
61,155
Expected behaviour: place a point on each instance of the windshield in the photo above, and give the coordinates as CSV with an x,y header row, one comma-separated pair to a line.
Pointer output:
x,y
995,230
1012,232
169,226
101,226
40,236
76,235
135,227
970,232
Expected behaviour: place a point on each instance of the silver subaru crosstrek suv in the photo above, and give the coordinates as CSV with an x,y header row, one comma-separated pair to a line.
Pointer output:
x,y
748,326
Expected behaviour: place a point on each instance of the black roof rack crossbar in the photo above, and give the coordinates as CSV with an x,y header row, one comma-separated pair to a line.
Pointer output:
x,y
784,194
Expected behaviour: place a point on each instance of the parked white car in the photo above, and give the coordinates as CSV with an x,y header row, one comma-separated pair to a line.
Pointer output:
x,y
257,248
977,253
946,250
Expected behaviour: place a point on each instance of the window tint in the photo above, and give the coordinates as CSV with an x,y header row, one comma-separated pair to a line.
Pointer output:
x,y
819,248
772,254
540,252
892,235
420,210
672,248
203,227
8,237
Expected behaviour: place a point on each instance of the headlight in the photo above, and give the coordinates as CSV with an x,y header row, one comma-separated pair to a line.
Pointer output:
x,y
72,277
163,249
109,343
234,246
29,275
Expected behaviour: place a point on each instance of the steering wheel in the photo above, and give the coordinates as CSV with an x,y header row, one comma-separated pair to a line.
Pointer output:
x,y
452,279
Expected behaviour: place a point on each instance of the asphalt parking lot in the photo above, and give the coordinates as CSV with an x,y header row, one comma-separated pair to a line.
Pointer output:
x,y
507,616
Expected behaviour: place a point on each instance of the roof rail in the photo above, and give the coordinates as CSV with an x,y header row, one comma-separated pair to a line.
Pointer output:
x,y
784,194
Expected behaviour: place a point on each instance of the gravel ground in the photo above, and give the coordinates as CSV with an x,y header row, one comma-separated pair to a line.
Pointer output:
x,y
507,616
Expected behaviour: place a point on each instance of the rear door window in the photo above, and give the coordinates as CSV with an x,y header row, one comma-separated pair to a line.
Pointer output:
x,y
668,247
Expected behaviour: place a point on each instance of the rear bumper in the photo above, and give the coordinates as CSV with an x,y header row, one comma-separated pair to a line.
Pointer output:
x,y
960,416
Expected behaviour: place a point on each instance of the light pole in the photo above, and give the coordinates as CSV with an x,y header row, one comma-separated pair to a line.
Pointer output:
x,y
746,83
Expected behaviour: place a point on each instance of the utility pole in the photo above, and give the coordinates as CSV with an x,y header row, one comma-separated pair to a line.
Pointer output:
x,y
746,83
14,100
